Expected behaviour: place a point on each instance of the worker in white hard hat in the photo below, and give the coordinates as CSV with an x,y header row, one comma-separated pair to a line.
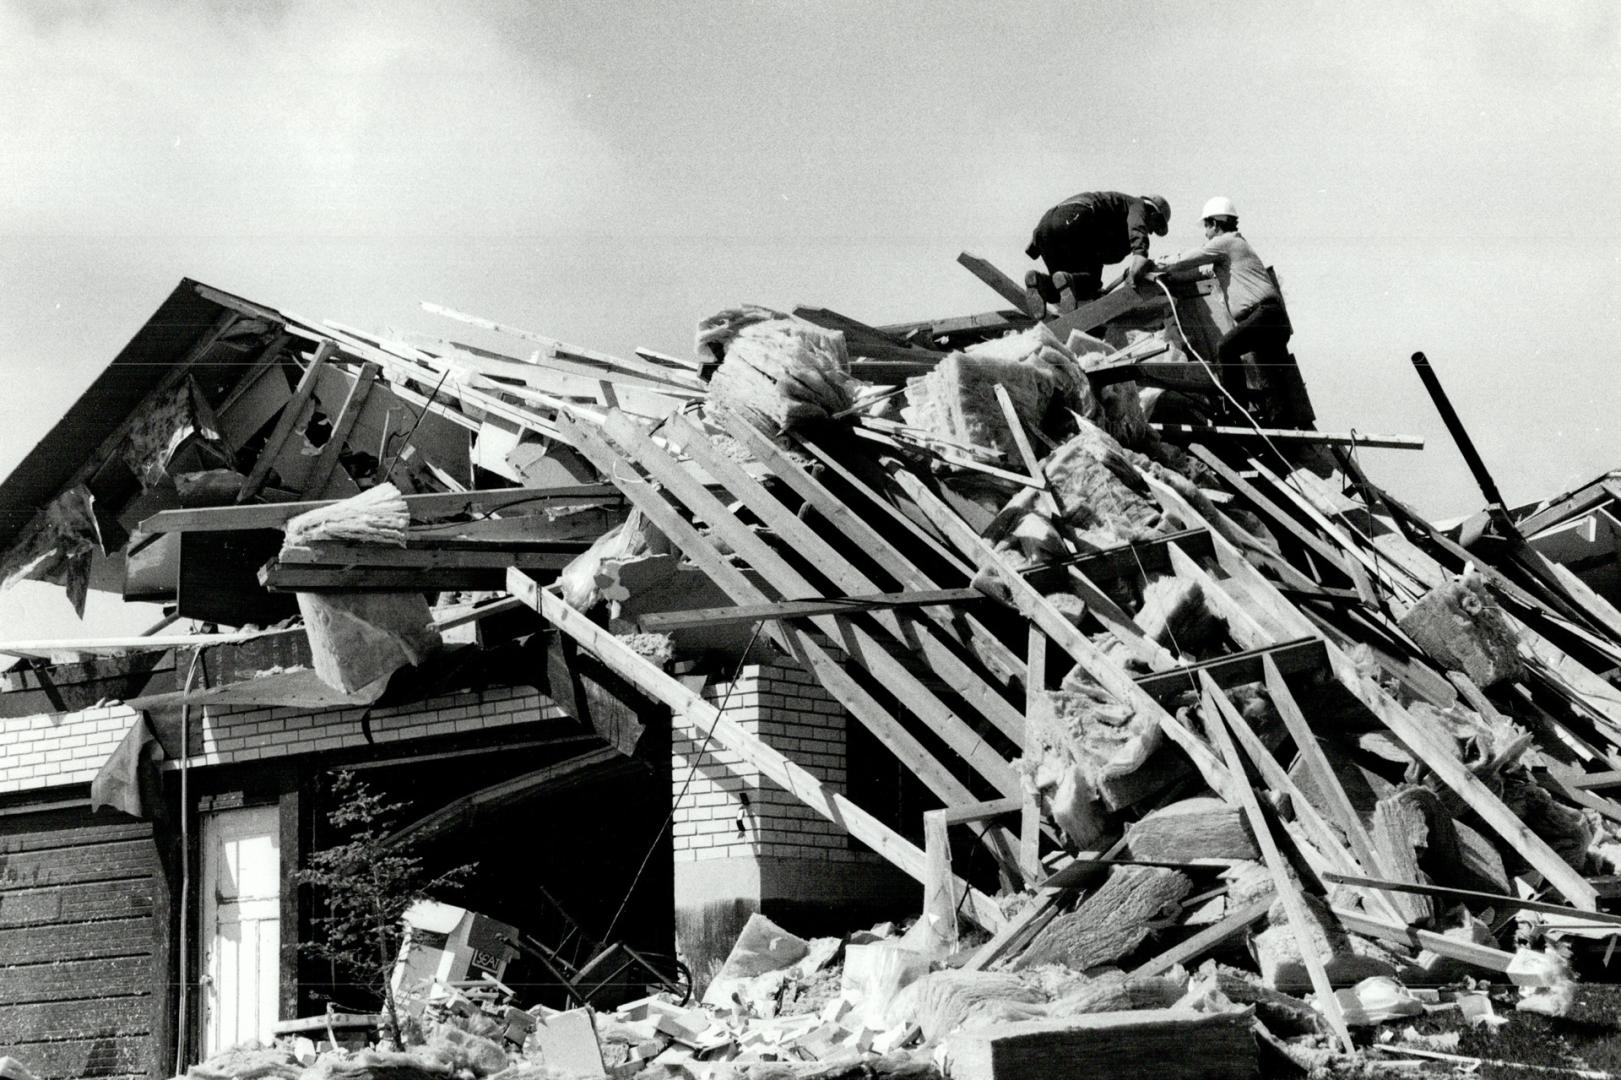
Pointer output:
x,y
1085,232
1260,324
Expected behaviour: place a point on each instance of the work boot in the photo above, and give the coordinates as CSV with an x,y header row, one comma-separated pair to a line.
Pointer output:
x,y
1065,285
1039,291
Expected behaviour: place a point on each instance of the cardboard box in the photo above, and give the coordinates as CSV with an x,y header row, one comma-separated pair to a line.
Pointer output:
x,y
448,944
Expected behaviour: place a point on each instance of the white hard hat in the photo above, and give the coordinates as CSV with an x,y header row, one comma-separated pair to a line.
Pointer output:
x,y
1219,206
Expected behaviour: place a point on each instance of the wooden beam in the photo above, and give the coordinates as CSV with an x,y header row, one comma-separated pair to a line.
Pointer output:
x,y
1130,561
1420,741
1275,513
290,415
1202,942
698,713
999,283
862,646
800,644
1484,899
985,646
431,507
662,622
284,577
1467,952
1326,781
939,889
1032,605
637,366
1291,435
1124,300
988,323
843,472
315,483
1293,657
1284,885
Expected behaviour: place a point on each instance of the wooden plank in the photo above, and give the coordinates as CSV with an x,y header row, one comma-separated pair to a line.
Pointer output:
x,y
1292,657
980,811
282,578
663,622
1466,952
1326,781
797,643
839,469
1035,685
663,359
316,482
696,712
1130,561
988,323
1275,513
861,644
1326,853
337,553
999,283
1406,589
1421,742
1479,899
858,334
1609,778
985,646
430,507
939,890
1108,307
1021,439
1284,885
1202,942
1289,435
637,366
1038,609
291,413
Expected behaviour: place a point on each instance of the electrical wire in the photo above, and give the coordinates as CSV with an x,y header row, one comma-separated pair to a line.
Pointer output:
x,y
1288,477
709,735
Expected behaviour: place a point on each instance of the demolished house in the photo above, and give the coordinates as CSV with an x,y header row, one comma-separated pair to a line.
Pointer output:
x,y
1011,628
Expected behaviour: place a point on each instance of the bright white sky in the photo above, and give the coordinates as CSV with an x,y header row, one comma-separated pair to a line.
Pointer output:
x,y
1423,175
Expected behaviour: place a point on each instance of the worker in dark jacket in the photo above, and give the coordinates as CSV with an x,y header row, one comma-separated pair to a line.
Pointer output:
x,y
1080,235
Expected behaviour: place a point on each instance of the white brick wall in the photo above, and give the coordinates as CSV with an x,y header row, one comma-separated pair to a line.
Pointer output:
x,y
789,711
54,749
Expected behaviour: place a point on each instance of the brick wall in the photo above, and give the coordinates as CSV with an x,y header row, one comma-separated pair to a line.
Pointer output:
x,y
55,749
790,712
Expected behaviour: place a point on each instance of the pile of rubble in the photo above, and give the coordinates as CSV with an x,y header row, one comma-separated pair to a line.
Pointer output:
x,y
1199,689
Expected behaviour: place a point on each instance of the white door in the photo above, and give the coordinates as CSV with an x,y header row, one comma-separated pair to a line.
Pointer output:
x,y
241,926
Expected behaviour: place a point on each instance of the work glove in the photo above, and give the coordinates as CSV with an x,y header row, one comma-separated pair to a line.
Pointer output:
x,y
1137,267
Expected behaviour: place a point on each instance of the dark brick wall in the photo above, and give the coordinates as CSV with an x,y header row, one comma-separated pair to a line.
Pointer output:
x,y
78,967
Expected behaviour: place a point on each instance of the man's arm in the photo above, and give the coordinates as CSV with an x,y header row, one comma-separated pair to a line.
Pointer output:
x,y
1215,251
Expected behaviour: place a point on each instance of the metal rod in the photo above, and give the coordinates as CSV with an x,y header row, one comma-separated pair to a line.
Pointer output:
x,y
1494,499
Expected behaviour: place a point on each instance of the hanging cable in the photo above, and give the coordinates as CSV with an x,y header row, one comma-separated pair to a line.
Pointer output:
x,y
1288,476
737,673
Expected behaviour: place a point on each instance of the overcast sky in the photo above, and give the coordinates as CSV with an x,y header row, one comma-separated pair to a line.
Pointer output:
x,y
1423,176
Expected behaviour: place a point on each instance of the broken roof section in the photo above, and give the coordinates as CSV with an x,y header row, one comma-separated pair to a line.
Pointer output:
x,y
1047,565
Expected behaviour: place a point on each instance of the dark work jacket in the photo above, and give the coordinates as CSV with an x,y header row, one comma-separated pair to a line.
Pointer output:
x,y
1117,224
